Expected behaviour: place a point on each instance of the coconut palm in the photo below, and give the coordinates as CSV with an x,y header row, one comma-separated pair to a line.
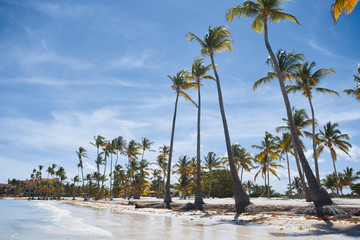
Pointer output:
x,y
161,161
285,146
269,152
82,154
198,73
183,168
330,138
108,150
211,162
216,40
349,177
243,159
356,91
301,121
145,145
342,6
99,141
75,180
180,82
288,63
306,82
329,182
62,176
270,10
118,144
132,150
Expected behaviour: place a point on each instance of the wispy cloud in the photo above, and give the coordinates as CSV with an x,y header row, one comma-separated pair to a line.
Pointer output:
x,y
312,43
143,60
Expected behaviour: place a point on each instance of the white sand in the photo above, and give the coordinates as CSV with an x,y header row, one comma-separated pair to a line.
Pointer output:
x,y
285,224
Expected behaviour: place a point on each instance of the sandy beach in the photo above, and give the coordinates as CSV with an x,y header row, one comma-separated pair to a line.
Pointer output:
x,y
283,223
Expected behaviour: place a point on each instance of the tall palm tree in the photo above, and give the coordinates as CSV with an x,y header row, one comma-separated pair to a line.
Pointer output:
x,y
108,150
356,91
62,176
180,82
332,137
198,73
118,144
82,153
269,152
99,141
306,82
216,40
342,6
211,162
329,182
75,180
270,10
301,121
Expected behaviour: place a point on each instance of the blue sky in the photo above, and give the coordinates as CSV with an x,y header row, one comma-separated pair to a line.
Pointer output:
x,y
71,70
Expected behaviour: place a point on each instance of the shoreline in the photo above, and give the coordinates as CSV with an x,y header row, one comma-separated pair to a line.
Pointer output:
x,y
285,223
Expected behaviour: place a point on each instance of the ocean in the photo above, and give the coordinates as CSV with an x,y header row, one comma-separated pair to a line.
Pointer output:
x,y
48,220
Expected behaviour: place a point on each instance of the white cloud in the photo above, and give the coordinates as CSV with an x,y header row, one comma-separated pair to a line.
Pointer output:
x,y
130,61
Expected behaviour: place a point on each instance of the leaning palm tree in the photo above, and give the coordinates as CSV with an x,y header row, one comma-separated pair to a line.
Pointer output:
x,y
306,82
332,137
180,82
198,73
218,39
270,10
342,6
356,91
82,153
211,162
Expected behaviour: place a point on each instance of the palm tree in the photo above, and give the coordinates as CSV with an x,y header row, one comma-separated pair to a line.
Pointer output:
x,y
198,73
332,137
211,162
179,83
218,39
342,6
146,145
356,91
269,152
288,63
82,153
329,182
108,150
99,141
349,177
62,176
285,146
265,11
132,150
75,180
183,168
306,82
118,144
301,121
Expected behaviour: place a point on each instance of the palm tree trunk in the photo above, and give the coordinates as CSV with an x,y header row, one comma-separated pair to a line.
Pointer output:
x,y
268,181
241,198
318,194
241,175
167,198
102,183
198,196
111,173
209,182
287,161
336,179
83,183
305,190
314,141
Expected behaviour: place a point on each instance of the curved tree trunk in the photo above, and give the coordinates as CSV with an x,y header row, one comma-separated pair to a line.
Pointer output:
x,y
314,141
241,198
318,194
305,190
167,198
198,196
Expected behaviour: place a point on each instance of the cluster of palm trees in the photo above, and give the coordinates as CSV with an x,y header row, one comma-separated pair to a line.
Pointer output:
x,y
285,66
51,187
